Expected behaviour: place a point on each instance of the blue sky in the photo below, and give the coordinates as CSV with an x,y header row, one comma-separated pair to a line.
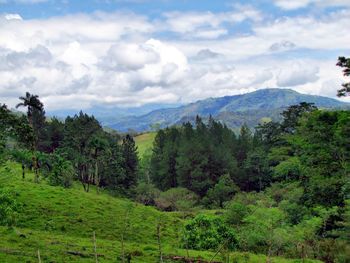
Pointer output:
x,y
139,52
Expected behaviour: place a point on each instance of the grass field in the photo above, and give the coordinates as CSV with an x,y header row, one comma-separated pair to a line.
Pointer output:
x,y
59,223
144,142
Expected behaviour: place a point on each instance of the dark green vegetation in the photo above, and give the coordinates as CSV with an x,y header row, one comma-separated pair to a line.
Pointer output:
x,y
281,190
234,111
284,187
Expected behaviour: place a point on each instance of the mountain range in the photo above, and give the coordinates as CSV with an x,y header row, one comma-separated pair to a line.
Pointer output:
x,y
234,111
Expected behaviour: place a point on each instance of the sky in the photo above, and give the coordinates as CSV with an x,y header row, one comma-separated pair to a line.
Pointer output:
x,y
130,53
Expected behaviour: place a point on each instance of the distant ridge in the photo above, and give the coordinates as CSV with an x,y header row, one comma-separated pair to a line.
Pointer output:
x,y
235,110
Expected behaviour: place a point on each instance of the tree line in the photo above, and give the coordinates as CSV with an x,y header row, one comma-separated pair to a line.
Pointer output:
x,y
76,148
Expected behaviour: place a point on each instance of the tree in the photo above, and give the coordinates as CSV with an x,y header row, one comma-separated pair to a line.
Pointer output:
x,y
79,131
35,114
36,118
222,191
257,170
62,172
98,145
264,230
5,128
54,135
129,154
292,115
344,63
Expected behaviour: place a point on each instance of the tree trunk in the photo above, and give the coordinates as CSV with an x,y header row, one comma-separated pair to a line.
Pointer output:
x,y
23,171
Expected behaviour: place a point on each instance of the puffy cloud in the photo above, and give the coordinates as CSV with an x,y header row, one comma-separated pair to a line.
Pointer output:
x,y
208,25
129,57
205,54
282,46
122,59
39,56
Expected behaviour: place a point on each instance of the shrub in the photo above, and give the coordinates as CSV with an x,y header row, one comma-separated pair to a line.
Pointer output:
x,y
208,232
176,199
146,193
8,208
62,173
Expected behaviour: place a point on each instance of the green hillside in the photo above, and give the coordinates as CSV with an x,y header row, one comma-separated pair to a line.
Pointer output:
x,y
144,142
60,224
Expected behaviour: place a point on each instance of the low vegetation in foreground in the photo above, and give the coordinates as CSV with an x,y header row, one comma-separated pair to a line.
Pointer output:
x,y
59,224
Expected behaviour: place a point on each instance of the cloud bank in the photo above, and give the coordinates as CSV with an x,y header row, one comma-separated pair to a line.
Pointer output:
x,y
125,59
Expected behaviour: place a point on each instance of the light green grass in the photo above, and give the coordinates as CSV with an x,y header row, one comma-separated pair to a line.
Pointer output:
x,y
144,142
60,223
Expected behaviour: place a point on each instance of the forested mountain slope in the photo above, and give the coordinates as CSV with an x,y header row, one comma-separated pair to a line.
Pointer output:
x,y
234,111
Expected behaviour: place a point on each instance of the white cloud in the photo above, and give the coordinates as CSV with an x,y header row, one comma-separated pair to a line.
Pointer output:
x,y
208,25
297,74
129,56
12,17
296,4
120,59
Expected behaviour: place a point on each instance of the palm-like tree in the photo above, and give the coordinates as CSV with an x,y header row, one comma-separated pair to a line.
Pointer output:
x,y
32,103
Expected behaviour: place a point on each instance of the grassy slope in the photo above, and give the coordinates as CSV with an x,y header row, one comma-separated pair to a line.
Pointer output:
x,y
60,222
144,142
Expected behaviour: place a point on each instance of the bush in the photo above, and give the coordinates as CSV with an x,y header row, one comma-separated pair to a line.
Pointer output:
x,y
208,232
62,173
177,199
146,193
8,208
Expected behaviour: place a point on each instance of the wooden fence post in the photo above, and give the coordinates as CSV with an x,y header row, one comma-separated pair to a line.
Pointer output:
x,y
159,244
95,248
39,259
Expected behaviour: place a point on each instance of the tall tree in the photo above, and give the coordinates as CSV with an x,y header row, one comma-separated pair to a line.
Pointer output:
x,y
36,119
129,153
35,113
292,115
79,131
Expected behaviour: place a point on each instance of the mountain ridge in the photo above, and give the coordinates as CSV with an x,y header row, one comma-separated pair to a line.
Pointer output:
x,y
234,110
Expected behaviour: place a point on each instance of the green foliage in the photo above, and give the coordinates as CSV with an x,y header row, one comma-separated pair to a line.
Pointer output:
x,y
176,199
290,169
146,193
129,154
208,232
264,230
194,158
8,208
62,172
222,192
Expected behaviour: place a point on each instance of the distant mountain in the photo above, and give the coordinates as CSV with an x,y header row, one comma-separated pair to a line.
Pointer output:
x,y
110,115
248,108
